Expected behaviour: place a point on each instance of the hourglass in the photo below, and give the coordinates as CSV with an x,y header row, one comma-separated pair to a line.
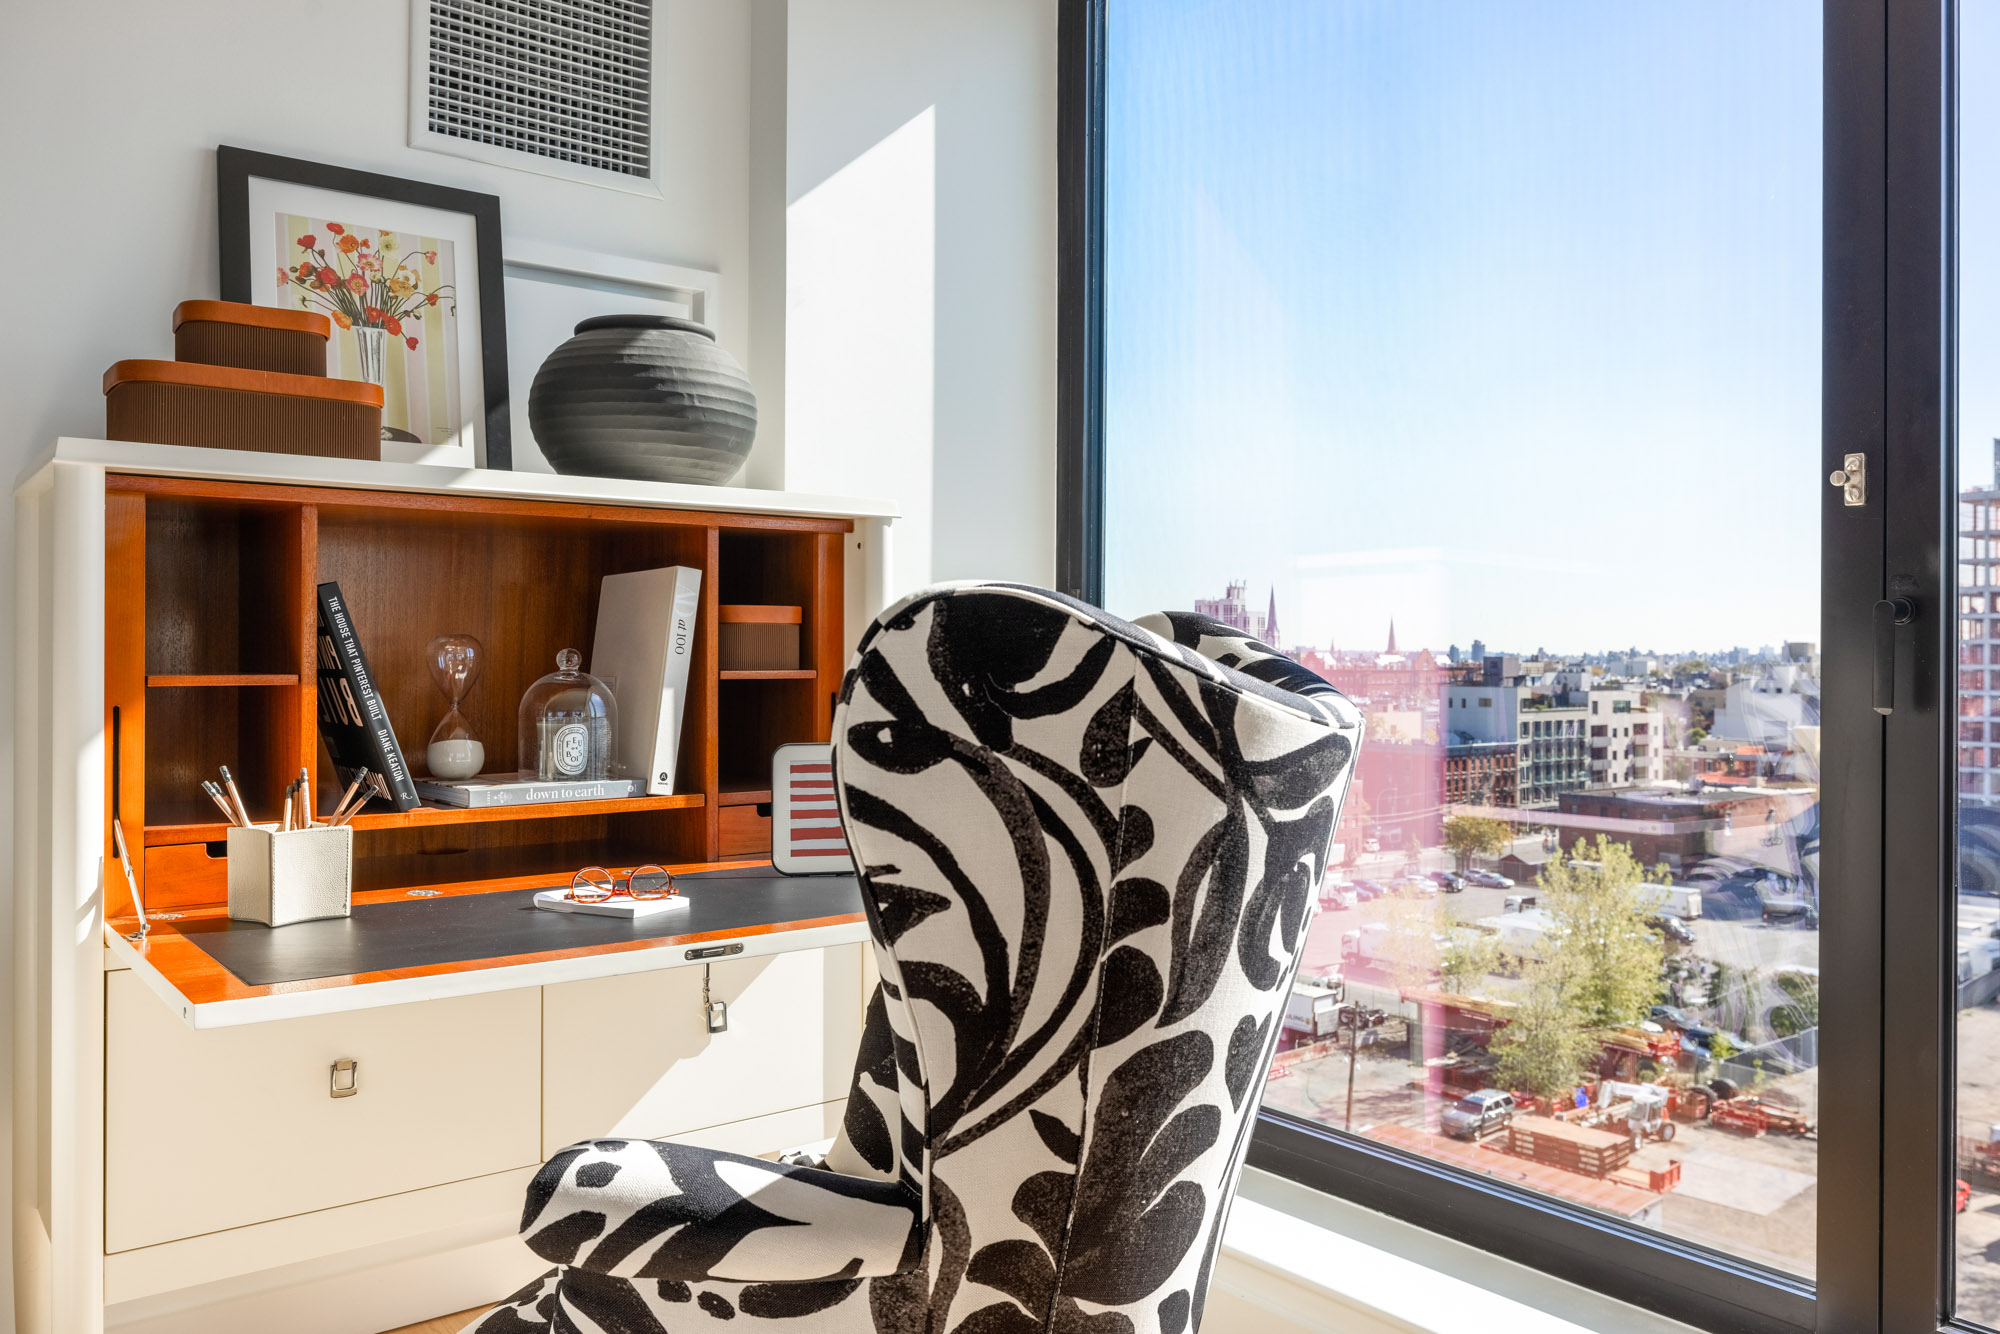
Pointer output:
x,y
454,751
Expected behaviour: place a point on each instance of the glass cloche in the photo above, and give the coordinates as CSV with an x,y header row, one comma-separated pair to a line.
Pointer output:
x,y
569,723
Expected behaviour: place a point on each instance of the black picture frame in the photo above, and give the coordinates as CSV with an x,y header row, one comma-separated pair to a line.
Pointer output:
x,y
236,167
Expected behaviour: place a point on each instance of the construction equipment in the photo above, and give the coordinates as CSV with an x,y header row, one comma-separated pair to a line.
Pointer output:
x,y
1752,1115
1643,1108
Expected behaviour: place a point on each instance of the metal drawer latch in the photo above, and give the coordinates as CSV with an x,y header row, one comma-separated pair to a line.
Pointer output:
x,y
715,1011
343,1078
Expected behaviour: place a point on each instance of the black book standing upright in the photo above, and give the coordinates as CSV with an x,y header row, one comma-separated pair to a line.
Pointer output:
x,y
352,719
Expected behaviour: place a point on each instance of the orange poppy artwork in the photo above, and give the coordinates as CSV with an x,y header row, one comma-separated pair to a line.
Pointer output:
x,y
393,300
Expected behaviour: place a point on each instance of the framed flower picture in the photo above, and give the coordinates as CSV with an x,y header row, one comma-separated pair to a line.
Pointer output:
x,y
409,273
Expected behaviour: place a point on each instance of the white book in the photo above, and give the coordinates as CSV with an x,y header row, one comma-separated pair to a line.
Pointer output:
x,y
618,905
644,643
507,789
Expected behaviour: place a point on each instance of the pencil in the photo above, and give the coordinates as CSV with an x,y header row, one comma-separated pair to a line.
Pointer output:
x,y
215,795
357,796
235,797
305,799
348,796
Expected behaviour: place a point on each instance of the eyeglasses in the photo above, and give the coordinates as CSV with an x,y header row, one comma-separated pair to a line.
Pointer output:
x,y
594,884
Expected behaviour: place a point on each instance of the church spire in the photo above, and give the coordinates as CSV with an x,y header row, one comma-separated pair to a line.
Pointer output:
x,y
1392,634
1271,621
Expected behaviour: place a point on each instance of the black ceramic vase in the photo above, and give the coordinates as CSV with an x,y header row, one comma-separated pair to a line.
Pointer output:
x,y
646,397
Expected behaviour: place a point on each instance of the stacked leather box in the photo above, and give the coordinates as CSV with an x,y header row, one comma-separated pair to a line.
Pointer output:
x,y
245,377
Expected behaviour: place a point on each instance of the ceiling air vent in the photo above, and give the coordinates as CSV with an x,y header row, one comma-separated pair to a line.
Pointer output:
x,y
557,86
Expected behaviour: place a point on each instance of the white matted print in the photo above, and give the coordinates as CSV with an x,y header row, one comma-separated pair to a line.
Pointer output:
x,y
399,282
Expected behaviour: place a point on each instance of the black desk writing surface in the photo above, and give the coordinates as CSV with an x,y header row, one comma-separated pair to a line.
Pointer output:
x,y
417,932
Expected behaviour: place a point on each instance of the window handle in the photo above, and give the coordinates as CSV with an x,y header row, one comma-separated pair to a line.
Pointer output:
x,y
1889,613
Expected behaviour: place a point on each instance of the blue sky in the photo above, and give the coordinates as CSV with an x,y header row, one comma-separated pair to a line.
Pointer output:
x,y
1499,320
1979,226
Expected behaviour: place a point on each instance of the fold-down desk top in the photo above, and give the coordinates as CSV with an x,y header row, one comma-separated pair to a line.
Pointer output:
x,y
399,947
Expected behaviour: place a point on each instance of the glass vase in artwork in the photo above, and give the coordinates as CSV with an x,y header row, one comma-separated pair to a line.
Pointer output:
x,y
454,751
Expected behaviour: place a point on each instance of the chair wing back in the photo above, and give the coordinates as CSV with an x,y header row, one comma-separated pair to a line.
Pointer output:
x,y
1089,851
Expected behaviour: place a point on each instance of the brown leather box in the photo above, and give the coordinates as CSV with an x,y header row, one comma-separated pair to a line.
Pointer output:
x,y
223,407
254,338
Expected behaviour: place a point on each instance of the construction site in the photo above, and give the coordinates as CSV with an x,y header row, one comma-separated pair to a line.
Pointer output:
x,y
1656,1131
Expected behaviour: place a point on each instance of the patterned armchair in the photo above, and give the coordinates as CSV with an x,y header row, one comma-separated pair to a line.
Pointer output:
x,y
1089,851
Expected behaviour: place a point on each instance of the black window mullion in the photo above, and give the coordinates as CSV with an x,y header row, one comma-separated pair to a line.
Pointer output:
x,y
1919,759
1080,299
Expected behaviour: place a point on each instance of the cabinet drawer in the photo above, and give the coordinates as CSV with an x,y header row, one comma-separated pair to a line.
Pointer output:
x,y
633,1056
217,1128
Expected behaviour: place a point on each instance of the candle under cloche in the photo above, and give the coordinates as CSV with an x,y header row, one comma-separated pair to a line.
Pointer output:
x,y
568,724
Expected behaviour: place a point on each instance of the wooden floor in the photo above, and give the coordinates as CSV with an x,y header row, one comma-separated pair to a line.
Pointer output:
x,y
444,1324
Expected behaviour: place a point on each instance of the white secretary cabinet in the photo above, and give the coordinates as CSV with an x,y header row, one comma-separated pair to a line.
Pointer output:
x,y
168,1155
213,1129
632,1055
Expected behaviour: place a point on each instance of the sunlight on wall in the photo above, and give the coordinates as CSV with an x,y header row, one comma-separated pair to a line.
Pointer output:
x,y
861,277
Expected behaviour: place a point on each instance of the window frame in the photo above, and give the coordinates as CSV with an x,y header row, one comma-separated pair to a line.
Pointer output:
x,y
1884,1246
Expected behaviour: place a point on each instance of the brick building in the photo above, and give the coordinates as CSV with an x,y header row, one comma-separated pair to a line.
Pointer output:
x,y
1482,774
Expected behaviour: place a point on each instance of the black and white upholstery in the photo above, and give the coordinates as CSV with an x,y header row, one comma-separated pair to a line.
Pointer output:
x,y
1089,852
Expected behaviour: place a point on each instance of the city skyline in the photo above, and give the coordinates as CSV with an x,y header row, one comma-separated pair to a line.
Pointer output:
x,y
1255,625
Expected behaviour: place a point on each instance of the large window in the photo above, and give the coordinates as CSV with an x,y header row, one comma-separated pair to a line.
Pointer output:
x,y
1488,359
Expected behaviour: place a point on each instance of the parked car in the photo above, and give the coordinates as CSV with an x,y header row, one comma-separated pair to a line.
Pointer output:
x,y
1369,890
1337,898
1488,880
1415,886
1449,881
1478,1113
1673,928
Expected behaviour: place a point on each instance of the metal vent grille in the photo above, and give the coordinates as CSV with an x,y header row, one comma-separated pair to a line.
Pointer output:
x,y
570,80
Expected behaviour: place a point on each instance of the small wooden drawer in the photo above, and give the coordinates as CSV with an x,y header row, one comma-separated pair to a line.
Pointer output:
x,y
254,338
213,1129
759,638
633,1056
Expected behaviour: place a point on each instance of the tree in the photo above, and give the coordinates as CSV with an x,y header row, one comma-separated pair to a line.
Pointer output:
x,y
1468,836
1691,667
1801,1008
1465,959
1544,1047
1409,949
1599,966
1608,962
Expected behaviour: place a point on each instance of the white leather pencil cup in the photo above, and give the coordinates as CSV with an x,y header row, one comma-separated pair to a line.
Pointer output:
x,y
279,876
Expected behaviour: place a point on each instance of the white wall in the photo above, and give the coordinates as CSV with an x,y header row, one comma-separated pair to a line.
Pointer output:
x,y
921,282
110,111
873,179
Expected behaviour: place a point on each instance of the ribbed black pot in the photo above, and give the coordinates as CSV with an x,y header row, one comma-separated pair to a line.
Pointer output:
x,y
646,397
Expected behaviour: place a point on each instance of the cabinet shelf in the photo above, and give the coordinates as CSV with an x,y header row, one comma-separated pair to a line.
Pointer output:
x,y
742,794
425,817
222,679
794,674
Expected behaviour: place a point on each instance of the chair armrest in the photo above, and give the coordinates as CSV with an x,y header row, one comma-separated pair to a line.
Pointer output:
x,y
646,1209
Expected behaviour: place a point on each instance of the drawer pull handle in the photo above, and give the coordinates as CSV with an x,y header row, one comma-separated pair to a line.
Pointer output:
x,y
343,1078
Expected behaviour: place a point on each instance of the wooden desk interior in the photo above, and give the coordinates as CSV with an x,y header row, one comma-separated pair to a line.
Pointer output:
x,y
210,656
207,995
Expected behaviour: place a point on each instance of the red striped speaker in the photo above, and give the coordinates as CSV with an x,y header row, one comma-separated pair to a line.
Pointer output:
x,y
806,837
